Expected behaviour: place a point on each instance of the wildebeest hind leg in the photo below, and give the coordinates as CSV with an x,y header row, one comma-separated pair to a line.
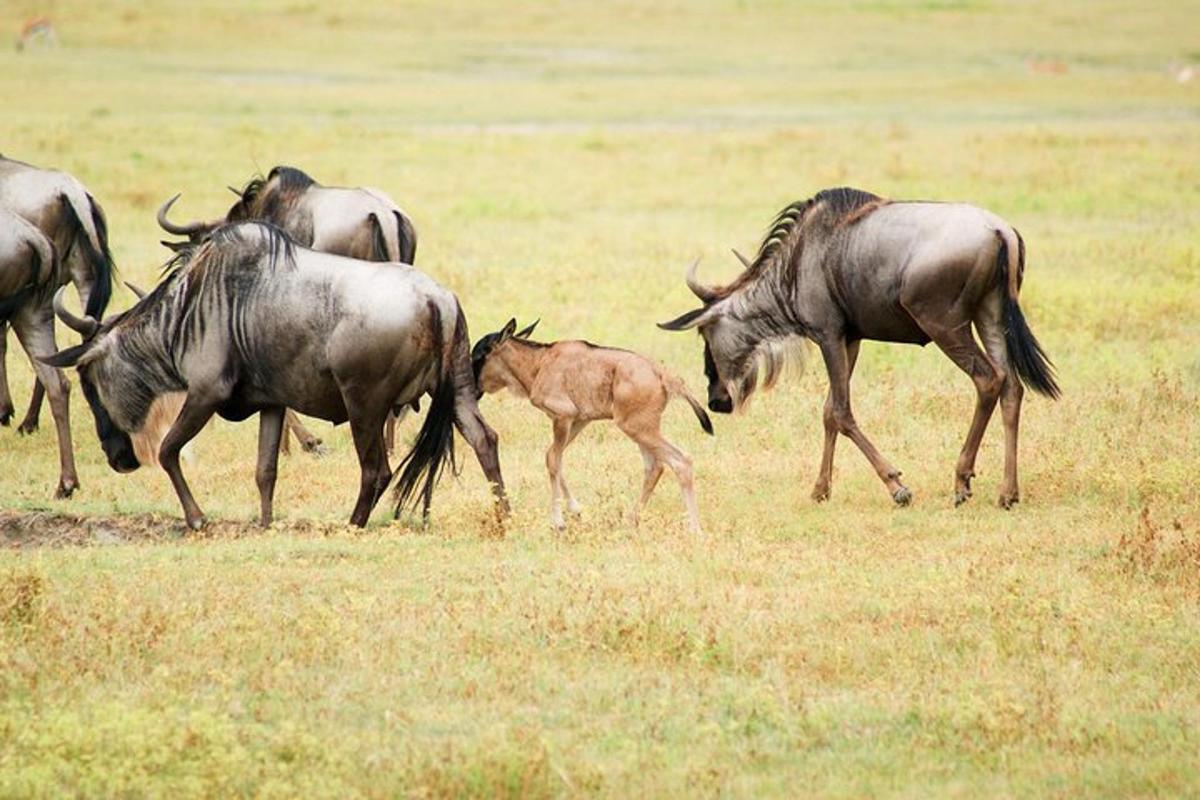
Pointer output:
x,y
824,483
991,331
366,426
483,441
959,345
270,431
837,364
36,332
192,418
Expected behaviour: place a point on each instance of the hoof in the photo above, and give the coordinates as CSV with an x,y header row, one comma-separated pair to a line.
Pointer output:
x,y
1007,502
820,493
5,417
65,489
902,496
961,496
316,447
196,524
27,428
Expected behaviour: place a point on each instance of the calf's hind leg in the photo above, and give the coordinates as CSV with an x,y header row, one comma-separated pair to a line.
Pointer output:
x,y
643,427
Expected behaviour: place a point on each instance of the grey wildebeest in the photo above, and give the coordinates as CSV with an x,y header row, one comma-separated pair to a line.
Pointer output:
x,y
29,273
248,322
360,223
60,207
575,383
846,265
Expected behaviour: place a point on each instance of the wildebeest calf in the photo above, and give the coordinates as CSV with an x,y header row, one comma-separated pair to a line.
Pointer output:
x,y
576,383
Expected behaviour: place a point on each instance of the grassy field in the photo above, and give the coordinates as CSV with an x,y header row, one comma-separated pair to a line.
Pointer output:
x,y
566,161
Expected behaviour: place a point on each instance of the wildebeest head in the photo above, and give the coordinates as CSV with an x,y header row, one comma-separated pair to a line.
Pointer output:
x,y
487,379
262,198
90,359
734,344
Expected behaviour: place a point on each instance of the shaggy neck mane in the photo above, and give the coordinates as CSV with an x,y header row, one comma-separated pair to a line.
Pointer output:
x,y
263,198
784,242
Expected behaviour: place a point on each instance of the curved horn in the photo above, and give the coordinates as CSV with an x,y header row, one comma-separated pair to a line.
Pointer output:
x,y
178,230
84,325
706,294
745,261
141,295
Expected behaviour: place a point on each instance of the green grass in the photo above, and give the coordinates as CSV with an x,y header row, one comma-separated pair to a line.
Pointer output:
x,y
567,161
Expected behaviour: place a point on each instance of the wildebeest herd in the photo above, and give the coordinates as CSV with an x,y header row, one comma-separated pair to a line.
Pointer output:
x,y
303,297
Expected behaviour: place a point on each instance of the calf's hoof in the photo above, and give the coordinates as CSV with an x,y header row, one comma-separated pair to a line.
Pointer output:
x,y
961,496
1007,501
315,446
820,493
65,489
902,496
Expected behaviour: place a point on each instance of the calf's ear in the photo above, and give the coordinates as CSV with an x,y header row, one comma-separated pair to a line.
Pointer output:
x,y
66,358
685,321
527,330
508,329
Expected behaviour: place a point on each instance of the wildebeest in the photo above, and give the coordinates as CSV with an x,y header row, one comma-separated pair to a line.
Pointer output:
x,y
60,207
360,223
846,265
576,383
248,322
29,274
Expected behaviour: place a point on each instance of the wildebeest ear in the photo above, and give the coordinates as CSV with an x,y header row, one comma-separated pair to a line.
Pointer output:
x,y
508,329
66,358
682,323
175,247
526,331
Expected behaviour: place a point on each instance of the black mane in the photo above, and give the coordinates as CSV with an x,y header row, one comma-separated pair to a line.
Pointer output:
x,y
266,198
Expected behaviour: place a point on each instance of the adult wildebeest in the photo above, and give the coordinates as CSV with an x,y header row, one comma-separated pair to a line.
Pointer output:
x,y
60,207
847,265
576,383
248,322
29,273
361,223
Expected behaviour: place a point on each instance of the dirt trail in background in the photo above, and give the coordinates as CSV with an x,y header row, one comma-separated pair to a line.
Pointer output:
x,y
32,529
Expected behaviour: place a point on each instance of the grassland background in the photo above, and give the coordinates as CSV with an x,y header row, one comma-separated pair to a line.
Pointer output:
x,y
565,160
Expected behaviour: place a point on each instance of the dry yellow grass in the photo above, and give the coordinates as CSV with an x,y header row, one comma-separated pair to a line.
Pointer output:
x,y
566,161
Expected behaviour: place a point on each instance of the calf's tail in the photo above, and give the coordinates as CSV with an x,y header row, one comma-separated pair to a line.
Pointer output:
x,y
677,388
1032,364
434,449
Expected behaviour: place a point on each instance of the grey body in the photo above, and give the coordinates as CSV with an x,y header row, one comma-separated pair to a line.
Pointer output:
x,y
29,271
60,207
359,223
846,266
251,324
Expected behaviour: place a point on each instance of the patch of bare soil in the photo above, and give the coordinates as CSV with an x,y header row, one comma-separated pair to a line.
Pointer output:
x,y
20,530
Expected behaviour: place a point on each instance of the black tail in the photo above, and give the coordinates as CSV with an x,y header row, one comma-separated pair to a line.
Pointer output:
x,y
701,415
1030,360
434,448
100,262
379,248
407,236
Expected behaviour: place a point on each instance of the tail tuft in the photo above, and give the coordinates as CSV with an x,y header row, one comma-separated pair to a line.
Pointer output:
x,y
1032,364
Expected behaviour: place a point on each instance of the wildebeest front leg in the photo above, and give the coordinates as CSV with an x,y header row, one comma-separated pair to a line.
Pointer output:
x,y
483,441
6,405
837,364
824,483
192,418
270,431
35,329
30,423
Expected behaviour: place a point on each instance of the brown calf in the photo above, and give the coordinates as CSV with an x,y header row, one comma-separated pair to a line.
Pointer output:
x,y
576,383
